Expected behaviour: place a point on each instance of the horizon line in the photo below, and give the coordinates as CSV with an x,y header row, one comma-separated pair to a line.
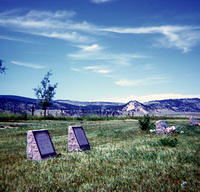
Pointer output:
x,y
117,99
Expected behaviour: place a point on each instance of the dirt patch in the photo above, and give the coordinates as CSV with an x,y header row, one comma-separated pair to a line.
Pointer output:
x,y
8,126
130,120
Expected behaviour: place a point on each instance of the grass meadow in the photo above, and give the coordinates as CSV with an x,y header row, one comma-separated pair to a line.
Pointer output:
x,y
122,158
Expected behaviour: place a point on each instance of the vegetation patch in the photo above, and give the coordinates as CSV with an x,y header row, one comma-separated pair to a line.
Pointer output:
x,y
145,123
122,158
171,142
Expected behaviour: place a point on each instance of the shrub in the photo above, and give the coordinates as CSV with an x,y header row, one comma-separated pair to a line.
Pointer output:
x,y
172,142
145,123
24,115
10,117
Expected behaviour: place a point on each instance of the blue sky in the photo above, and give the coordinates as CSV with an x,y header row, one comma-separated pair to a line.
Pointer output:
x,y
105,50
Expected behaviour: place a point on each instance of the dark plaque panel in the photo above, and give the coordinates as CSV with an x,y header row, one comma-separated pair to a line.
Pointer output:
x,y
81,138
44,143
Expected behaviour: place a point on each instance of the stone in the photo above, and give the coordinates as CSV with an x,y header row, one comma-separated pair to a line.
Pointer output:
x,y
170,129
72,141
192,121
39,145
161,127
77,140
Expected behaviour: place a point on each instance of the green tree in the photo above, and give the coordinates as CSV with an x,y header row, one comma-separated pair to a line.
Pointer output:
x,y
2,68
145,124
45,92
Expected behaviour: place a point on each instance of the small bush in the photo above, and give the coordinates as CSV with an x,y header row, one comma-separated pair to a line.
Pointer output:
x,y
24,115
145,123
10,117
172,142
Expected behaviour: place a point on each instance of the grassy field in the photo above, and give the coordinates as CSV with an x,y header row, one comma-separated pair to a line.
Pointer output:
x,y
122,158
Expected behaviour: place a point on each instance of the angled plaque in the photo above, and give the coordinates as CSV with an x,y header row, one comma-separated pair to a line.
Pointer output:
x,y
39,145
81,138
77,140
44,143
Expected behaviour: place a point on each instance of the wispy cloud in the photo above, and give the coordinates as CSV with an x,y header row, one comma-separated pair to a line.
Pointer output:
x,y
93,47
68,36
62,25
98,69
168,96
57,14
93,68
48,24
30,65
96,52
126,82
181,37
100,1
146,98
149,67
141,82
113,59
75,69
14,39
184,40
146,30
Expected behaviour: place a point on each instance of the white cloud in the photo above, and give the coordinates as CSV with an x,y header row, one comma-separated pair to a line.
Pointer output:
x,y
146,98
93,47
57,14
73,36
167,96
93,68
95,53
75,69
100,1
98,69
60,25
141,82
30,65
168,30
127,83
184,40
181,37
49,24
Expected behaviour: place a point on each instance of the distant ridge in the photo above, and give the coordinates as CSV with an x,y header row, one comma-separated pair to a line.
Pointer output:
x,y
82,103
16,97
19,104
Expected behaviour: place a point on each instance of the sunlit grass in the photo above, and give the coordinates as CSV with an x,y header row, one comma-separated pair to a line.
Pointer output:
x,y
122,158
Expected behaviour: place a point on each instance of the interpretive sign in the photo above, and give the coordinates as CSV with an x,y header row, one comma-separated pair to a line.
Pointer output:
x,y
77,140
44,143
81,138
39,145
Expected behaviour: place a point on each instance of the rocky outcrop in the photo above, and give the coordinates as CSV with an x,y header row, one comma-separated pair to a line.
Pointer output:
x,y
135,106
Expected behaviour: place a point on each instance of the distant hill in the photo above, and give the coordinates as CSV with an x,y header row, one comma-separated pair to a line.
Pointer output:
x,y
175,105
81,103
18,104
